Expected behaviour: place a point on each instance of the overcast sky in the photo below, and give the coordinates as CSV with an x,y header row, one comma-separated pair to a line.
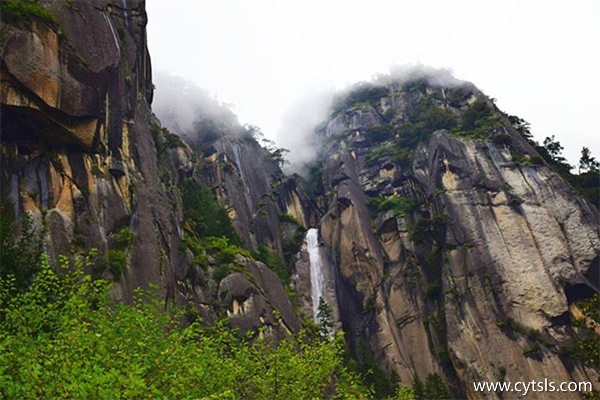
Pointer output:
x,y
538,59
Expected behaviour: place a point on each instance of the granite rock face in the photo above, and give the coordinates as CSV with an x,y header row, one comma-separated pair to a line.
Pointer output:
x,y
77,148
453,258
84,156
449,246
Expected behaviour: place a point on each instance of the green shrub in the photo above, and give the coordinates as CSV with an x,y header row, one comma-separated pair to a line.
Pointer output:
x,y
274,261
479,122
364,92
398,154
25,10
203,214
124,237
402,205
377,134
288,218
66,338
20,250
477,112
115,261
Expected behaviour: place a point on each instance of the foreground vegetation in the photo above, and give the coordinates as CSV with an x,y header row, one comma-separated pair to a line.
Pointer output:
x,y
66,338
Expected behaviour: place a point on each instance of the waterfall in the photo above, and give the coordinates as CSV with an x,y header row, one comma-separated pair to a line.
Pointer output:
x,y
112,30
316,268
238,163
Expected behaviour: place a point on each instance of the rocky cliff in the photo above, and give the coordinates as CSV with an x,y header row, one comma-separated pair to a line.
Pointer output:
x,y
84,157
447,245
77,152
451,239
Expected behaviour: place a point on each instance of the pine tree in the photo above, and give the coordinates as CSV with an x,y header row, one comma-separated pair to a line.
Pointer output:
x,y
324,318
587,163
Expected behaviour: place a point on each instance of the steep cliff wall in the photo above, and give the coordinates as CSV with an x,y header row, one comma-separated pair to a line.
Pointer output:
x,y
458,251
85,158
77,151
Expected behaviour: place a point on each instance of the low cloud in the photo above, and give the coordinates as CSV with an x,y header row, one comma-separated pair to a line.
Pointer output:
x,y
297,131
181,105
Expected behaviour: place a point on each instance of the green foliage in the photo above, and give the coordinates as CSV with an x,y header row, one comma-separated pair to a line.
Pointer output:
x,y
314,181
277,155
372,373
224,253
203,214
124,237
25,10
209,231
19,253
521,126
378,134
522,159
403,393
114,260
361,93
428,230
274,261
587,162
433,388
474,115
324,318
291,246
402,205
164,139
399,155
287,218
587,344
65,338
479,121
424,118
554,149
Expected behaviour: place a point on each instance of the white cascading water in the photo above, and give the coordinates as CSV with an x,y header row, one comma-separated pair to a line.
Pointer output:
x,y
316,268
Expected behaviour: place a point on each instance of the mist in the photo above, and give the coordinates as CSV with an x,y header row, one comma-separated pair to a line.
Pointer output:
x,y
298,125
312,110
181,105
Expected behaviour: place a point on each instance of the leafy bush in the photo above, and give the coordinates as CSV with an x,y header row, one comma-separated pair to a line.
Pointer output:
x,y
114,260
587,344
274,261
203,214
24,10
398,154
424,118
479,121
378,134
124,237
402,205
428,230
65,338
433,388
363,92
19,251
291,246
474,114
